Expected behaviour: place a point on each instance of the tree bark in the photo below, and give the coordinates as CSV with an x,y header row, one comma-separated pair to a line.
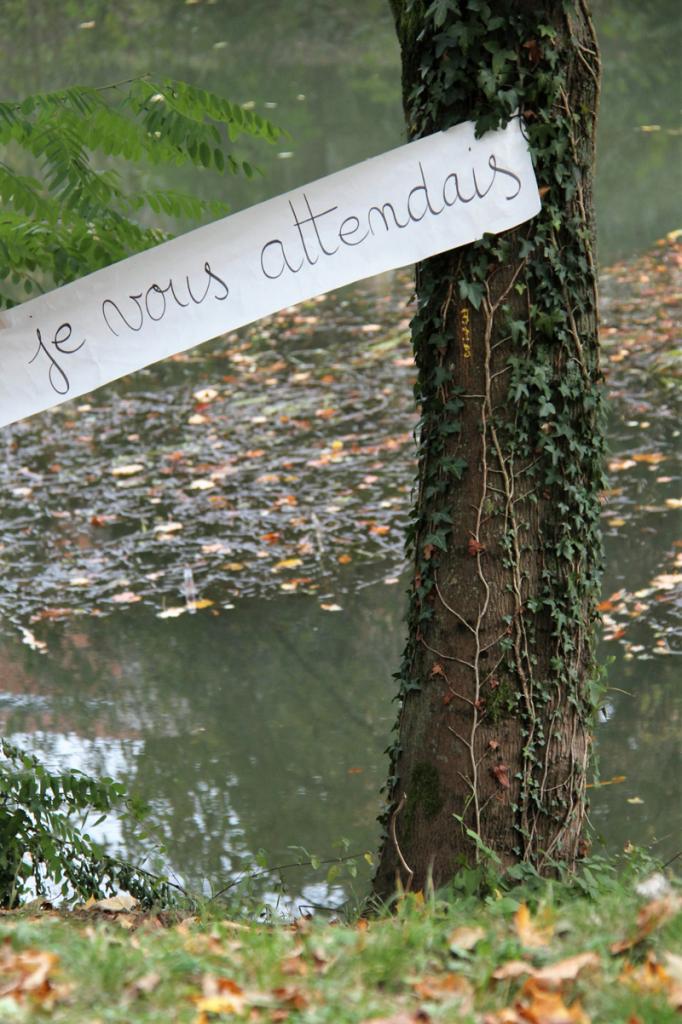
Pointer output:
x,y
499,682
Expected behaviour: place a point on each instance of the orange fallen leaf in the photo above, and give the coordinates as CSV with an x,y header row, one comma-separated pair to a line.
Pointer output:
x,y
380,531
28,974
442,988
512,969
345,559
542,1007
292,997
287,563
566,970
219,995
651,976
649,918
501,773
531,934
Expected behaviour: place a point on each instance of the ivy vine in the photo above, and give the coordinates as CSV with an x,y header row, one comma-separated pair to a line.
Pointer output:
x,y
531,294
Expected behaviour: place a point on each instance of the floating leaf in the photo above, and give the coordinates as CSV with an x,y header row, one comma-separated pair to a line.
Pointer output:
x,y
126,597
287,563
131,469
168,527
206,395
172,613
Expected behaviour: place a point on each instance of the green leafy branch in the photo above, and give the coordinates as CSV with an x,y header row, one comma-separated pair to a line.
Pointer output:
x,y
66,208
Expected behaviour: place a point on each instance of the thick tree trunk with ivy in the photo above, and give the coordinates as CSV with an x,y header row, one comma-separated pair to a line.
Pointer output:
x,y
499,681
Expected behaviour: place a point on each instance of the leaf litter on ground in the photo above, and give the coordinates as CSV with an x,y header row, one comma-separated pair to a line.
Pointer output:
x,y
204,967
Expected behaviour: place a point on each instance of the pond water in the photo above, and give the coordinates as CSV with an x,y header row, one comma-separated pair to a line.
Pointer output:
x,y
276,466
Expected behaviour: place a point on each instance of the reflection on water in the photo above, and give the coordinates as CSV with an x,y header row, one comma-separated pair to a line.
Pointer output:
x,y
261,728
329,74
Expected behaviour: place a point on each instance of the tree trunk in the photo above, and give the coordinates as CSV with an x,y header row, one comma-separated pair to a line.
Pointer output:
x,y
499,682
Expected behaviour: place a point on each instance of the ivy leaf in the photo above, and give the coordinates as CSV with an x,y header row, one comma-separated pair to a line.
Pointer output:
x,y
472,292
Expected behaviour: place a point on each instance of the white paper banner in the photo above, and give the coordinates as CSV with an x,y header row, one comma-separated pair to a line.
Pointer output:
x,y
424,198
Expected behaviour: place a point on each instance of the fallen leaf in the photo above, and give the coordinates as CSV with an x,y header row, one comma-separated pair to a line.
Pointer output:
x,y
501,773
566,970
512,969
649,918
144,985
291,996
220,995
201,485
506,1016
531,934
28,974
445,988
345,559
331,607
126,597
542,1007
465,938
651,976
123,903
474,547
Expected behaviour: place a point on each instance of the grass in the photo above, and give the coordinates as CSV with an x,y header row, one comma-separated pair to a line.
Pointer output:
x,y
431,960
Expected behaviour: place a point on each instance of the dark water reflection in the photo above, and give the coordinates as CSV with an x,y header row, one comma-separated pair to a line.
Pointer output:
x,y
262,728
329,74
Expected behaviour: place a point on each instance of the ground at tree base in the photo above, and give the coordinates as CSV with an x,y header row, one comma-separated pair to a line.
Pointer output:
x,y
605,949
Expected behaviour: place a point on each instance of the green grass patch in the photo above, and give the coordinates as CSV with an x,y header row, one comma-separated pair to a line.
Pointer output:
x,y
430,960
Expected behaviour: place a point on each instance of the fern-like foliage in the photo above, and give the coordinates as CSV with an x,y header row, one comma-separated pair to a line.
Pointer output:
x,y
65,209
